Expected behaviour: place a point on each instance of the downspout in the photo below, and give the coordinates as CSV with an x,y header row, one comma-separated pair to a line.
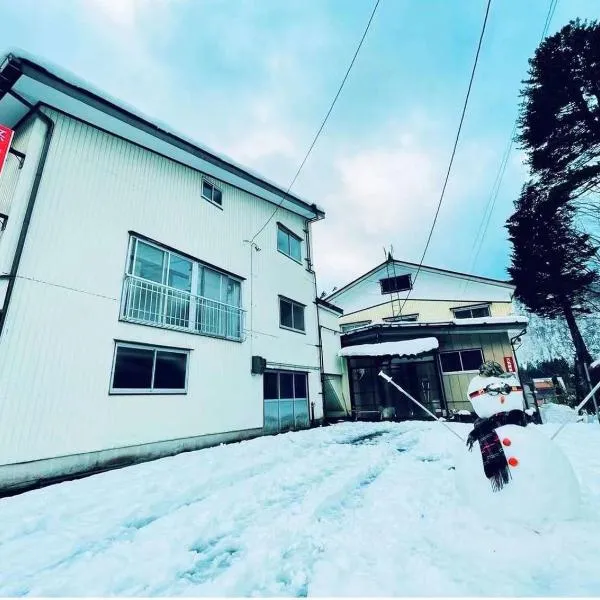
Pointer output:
x,y
12,276
309,265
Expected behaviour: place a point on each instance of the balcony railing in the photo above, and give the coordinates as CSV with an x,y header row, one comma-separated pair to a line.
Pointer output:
x,y
159,305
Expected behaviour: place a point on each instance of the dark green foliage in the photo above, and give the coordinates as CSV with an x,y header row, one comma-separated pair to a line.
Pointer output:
x,y
560,114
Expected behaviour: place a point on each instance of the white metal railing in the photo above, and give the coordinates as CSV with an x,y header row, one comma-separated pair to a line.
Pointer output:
x,y
157,304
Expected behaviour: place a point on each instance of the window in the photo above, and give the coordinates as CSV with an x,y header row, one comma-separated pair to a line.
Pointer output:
x,y
472,312
291,314
350,326
461,360
165,289
285,401
212,193
401,283
288,243
401,318
139,369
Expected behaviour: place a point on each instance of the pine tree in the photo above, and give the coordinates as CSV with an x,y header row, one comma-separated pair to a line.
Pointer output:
x,y
550,263
560,113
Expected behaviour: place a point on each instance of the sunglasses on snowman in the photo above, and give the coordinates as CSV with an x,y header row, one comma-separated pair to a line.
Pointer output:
x,y
495,390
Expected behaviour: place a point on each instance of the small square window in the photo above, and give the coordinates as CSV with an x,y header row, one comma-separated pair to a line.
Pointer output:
x,y
211,192
289,243
471,360
291,315
401,283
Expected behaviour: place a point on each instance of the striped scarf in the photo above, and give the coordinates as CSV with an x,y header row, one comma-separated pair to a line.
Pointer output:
x,y
493,457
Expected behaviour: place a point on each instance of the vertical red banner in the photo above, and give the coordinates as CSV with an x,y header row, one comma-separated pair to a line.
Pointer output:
x,y
6,136
509,364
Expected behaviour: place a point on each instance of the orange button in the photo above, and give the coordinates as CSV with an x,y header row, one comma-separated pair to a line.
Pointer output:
x,y
506,442
512,461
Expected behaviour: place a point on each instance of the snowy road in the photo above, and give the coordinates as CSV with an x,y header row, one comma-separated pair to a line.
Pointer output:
x,y
355,509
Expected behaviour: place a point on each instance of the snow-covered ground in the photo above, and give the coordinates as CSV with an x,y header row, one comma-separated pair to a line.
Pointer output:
x,y
353,509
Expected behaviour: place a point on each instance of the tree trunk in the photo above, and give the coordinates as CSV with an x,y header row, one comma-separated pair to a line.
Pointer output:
x,y
582,354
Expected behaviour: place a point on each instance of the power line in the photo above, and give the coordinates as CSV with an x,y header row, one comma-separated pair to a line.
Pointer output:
x,y
310,149
462,118
491,203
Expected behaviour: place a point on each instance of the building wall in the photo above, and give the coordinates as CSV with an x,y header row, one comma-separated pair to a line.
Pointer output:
x,y
430,284
428,310
495,346
57,346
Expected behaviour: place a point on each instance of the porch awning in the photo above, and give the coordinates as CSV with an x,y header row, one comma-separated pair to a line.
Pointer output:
x,y
404,348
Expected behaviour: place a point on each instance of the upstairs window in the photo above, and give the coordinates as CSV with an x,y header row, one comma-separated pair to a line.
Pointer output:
x,y
354,325
472,312
401,283
212,193
289,243
291,314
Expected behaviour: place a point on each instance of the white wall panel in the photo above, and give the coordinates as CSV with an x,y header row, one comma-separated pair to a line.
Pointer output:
x,y
57,348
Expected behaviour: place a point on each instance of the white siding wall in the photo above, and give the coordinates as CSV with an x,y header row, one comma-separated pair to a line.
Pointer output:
x,y
57,347
429,285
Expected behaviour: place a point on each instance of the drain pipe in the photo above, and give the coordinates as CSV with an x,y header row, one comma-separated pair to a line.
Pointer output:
x,y
310,269
12,276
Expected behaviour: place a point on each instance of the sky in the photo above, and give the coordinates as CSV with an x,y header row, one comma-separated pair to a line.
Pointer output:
x,y
254,78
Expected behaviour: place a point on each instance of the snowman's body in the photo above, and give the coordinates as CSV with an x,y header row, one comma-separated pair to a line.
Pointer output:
x,y
542,484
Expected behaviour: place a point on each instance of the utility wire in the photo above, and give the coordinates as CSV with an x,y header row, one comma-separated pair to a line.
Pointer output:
x,y
310,149
462,118
491,203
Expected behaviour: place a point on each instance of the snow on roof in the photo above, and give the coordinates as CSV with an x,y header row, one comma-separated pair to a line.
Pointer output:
x,y
81,84
595,364
404,348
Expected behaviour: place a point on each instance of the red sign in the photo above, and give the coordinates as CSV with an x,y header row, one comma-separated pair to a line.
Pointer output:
x,y
6,136
509,364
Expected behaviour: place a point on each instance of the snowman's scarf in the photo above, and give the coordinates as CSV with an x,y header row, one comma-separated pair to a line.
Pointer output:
x,y
494,460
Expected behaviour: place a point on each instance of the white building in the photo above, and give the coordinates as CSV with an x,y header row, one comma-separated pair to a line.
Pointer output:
x,y
132,300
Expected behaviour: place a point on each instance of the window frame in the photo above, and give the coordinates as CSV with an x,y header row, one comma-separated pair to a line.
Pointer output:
x,y
214,186
471,308
112,391
395,277
292,303
459,352
198,268
290,234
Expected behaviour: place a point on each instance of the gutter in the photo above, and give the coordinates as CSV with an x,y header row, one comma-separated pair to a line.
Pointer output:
x,y
12,276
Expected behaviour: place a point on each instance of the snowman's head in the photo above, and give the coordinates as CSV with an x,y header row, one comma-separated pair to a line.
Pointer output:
x,y
491,395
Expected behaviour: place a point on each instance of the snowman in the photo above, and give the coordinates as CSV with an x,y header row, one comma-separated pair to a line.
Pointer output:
x,y
511,471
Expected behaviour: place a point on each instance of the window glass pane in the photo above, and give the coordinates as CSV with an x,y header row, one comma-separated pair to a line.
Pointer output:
x,y
401,283
207,190
298,317
484,311
217,196
462,314
295,249
450,362
286,385
211,284
270,386
149,262
133,368
286,416
231,292
169,372
271,417
471,359
283,243
285,313
300,385
301,414
180,273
